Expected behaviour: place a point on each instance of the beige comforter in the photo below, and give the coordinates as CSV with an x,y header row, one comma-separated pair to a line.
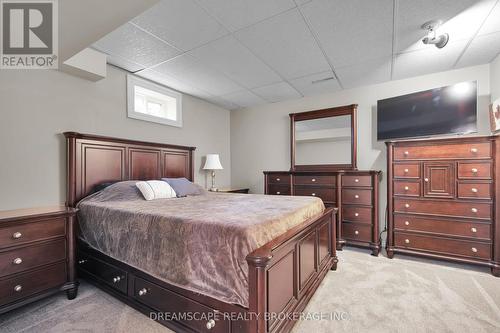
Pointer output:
x,y
199,243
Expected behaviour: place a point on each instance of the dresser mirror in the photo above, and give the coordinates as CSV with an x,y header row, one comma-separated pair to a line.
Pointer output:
x,y
324,140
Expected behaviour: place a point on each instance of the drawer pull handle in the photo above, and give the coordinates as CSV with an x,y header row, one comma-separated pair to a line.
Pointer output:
x,y
210,324
407,223
407,241
474,190
278,192
82,261
18,288
474,250
313,194
117,279
426,180
407,205
474,210
17,261
474,230
474,170
278,179
473,150
356,214
356,232
356,196
407,153
143,292
356,180
313,180
406,170
406,188
17,235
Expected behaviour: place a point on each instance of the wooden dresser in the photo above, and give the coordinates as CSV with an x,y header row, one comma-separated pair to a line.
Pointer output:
x,y
36,255
442,199
355,193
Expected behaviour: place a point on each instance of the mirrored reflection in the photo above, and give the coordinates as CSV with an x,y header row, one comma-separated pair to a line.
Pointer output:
x,y
323,141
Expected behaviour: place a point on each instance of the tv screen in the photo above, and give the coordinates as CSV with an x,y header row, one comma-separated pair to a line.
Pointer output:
x,y
446,110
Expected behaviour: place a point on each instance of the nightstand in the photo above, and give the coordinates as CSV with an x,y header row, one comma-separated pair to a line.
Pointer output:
x,y
233,190
37,255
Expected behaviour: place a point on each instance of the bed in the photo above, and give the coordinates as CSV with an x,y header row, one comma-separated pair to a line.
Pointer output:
x,y
209,263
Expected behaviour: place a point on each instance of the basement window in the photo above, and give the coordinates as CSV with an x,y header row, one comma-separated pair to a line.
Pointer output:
x,y
152,102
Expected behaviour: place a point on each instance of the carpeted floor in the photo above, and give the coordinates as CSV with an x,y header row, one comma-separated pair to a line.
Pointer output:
x,y
366,294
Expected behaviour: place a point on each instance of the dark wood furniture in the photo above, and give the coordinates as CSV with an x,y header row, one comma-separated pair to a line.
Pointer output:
x,y
442,199
283,274
234,190
354,192
37,255
347,110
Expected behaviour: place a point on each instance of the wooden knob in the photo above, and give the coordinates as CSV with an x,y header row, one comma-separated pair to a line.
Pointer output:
x,y
474,230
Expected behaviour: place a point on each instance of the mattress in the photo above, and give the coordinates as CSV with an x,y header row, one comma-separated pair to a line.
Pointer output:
x,y
199,243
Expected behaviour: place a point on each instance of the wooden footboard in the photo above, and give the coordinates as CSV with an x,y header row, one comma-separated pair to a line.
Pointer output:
x,y
286,272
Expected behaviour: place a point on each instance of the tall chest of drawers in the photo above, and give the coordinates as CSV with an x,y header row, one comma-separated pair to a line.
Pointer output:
x,y
354,192
442,199
36,255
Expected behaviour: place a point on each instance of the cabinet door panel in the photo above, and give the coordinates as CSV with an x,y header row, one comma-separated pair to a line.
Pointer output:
x,y
439,180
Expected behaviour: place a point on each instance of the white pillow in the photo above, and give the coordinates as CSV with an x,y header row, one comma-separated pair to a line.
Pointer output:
x,y
156,189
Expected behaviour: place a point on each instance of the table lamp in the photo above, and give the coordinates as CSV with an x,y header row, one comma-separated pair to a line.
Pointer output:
x,y
213,163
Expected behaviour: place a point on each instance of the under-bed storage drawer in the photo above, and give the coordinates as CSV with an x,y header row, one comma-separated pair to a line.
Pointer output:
x,y
162,300
111,275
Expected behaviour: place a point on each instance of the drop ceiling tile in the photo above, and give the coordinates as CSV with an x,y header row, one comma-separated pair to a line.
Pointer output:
x,y
319,83
370,72
124,63
135,45
277,92
244,99
285,43
492,23
482,50
352,31
173,83
301,2
462,19
180,22
237,14
236,61
190,71
219,101
428,60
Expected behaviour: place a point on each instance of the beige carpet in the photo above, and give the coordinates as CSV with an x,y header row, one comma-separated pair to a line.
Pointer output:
x,y
366,294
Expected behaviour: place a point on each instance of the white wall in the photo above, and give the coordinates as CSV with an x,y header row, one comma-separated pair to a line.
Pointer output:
x,y
36,106
260,135
495,78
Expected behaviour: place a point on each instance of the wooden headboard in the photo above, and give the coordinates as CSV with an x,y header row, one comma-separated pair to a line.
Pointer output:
x,y
93,160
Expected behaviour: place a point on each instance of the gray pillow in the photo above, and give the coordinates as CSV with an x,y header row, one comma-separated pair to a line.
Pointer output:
x,y
183,187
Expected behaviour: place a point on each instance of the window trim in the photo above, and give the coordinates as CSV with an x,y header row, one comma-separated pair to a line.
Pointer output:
x,y
133,81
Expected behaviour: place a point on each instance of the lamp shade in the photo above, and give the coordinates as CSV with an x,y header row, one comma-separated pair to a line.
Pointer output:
x,y
212,162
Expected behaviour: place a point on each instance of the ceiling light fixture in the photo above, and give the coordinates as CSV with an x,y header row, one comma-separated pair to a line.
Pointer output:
x,y
432,36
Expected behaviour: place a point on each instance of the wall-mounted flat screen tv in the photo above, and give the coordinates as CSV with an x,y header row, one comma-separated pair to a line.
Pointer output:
x,y
446,110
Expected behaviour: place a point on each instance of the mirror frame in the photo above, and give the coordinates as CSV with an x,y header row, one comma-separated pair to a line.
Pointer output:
x,y
325,113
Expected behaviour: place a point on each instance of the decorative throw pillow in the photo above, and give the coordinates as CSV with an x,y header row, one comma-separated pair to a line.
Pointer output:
x,y
155,189
183,187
